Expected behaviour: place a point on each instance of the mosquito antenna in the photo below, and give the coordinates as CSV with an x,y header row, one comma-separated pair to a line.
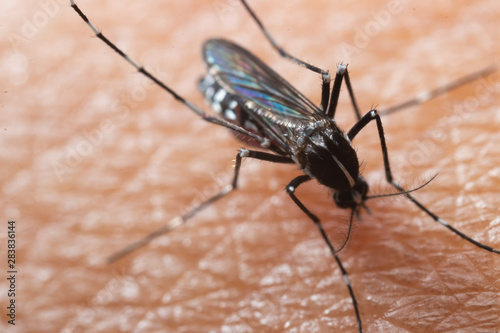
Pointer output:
x,y
401,192
378,196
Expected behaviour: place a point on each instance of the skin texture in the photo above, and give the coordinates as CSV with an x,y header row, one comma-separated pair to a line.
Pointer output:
x,y
98,157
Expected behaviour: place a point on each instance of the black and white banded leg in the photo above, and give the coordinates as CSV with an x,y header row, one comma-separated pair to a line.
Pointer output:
x,y
325,74
181,219
290,189
330,108
203,115
373,115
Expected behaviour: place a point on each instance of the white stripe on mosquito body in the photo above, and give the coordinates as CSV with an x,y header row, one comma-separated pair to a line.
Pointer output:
x,y
209,93
250,105
250,125
344,170
229,114
220,95
273,114
216,107
266,143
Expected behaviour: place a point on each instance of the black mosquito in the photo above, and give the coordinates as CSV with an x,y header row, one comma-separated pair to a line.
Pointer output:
x,y
264,110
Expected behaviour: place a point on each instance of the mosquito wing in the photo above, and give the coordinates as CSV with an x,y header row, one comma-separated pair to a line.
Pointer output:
x,y
270,101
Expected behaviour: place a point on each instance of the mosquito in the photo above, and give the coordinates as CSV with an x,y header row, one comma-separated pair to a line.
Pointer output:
x,y
265,111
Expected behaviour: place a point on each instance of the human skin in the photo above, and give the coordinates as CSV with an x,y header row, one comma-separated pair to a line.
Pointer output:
x,y
253,261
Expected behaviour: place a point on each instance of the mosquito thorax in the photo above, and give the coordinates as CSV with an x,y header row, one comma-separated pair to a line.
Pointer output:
x,y
324,152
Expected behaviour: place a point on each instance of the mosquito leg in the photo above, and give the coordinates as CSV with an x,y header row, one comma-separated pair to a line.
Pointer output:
x,y
181,219
351,95
342,73
426,96
325,75
325,91
373,115
205,116
278,48
292,186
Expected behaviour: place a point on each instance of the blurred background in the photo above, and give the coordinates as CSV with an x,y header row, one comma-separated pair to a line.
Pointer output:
x,y
95,156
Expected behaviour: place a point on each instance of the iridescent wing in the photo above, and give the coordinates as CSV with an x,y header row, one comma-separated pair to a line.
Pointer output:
x,y
269,100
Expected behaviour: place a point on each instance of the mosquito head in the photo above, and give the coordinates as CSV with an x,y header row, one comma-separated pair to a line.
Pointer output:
x,y
354,197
